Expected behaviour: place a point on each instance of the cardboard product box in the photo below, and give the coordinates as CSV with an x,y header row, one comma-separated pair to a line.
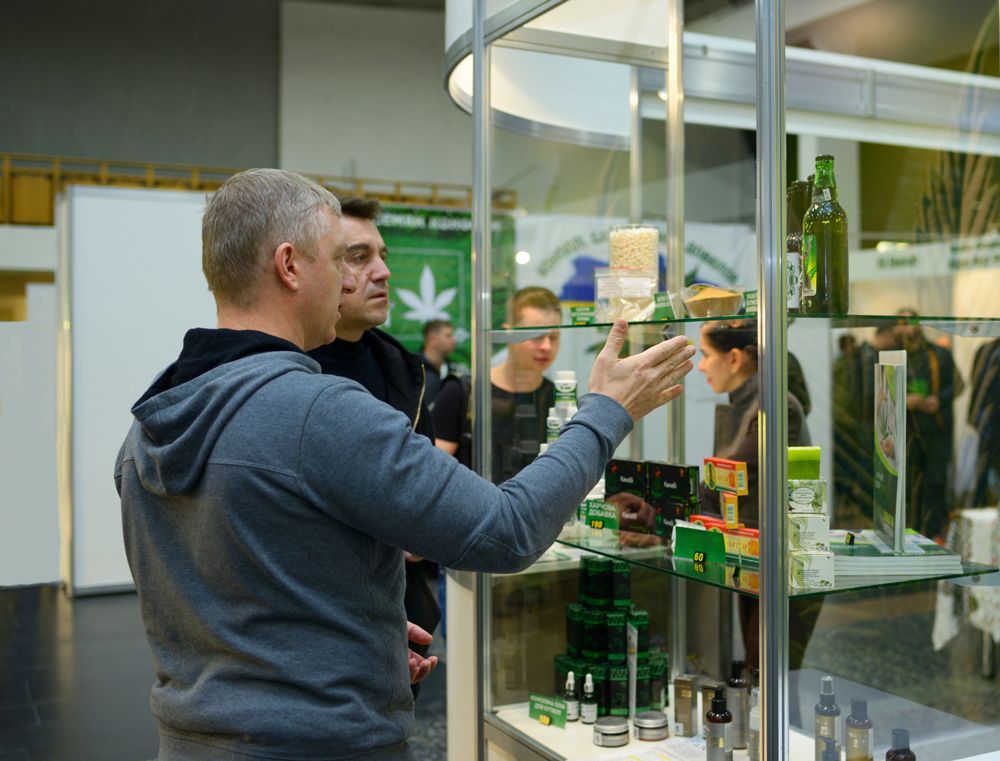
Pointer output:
x,y
625,490
686,705
807,495
673,492
810,570
808,531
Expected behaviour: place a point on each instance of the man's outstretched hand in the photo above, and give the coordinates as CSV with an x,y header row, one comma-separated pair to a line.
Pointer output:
x,y
645,381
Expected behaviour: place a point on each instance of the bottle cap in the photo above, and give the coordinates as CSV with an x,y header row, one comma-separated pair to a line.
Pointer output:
x,y
570,681
826,696
900,739
824,157
830,750
588,683
859,708
543,448
553,412
736,670
719,700
566,375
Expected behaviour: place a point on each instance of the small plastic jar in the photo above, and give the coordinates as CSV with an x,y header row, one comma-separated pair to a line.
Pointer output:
x,y
611,731
651,726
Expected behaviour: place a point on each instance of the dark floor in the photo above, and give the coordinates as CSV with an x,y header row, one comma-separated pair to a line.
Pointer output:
x,y
75,680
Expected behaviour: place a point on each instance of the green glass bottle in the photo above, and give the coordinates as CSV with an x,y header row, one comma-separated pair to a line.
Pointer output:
x,y
825,277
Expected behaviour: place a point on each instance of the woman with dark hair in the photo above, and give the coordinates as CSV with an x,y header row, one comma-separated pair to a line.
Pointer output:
x,y
729,363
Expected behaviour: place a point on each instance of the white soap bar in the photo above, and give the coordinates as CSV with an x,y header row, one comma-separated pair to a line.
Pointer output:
x,y
810,570
808,531
807,496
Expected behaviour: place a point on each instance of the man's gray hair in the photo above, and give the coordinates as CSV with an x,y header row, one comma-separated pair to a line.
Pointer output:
x,y
248,218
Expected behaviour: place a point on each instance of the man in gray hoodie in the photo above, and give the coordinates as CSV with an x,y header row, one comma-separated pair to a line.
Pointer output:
x,y
266,506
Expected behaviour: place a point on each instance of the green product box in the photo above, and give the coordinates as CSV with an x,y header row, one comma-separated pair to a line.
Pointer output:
x,y
618,690
598,590
595,635
639,620
642,688
673,493
803,463
621,585
659,679
617,644
574,628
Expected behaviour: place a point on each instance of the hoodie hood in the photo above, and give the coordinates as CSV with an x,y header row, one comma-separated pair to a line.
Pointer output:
x,y
182,414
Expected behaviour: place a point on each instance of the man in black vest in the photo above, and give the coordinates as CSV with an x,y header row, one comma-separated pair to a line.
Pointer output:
x,y
382,365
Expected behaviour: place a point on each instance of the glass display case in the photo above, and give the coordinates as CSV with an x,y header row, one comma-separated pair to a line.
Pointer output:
x,y
847,305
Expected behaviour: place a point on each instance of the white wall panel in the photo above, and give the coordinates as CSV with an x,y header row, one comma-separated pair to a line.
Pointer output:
x,y
131,285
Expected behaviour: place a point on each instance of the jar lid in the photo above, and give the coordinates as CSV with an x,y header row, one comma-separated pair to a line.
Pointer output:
x,y
650,720
611,725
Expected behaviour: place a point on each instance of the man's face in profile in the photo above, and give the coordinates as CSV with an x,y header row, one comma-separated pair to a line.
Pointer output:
x,y
367,306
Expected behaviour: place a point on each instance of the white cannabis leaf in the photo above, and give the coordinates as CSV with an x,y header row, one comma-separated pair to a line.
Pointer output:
x,y
428,305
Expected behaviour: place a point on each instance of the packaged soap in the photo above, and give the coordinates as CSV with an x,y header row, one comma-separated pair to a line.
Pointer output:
x,y
808,531
807,495
810,570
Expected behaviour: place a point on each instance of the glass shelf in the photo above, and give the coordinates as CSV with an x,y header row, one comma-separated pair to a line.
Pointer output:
x,y
650,551
981,327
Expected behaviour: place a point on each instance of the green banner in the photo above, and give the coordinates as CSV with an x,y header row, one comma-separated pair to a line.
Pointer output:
x,y
430,260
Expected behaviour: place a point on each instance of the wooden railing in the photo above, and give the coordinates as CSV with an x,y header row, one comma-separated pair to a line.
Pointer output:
x,y
29,184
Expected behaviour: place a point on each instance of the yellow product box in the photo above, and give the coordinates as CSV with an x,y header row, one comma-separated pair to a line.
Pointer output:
x,y
810,570
726,475
807,495
808,531
742,542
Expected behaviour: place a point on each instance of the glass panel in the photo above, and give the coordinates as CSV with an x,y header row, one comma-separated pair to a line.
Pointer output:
x,y
906,103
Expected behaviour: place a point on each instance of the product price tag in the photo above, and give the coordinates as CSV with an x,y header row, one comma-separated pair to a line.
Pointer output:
x,y
750,302
699,545
601,514
662,309
583,315
547,710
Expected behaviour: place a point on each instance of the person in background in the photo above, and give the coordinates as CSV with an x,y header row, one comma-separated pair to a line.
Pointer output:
x,y
266,506
729,363
381,364
932,383
439,343
521,394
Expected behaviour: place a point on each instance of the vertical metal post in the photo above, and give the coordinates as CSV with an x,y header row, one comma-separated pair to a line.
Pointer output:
x,y
637,334
635,149
772,336
675,282
481,323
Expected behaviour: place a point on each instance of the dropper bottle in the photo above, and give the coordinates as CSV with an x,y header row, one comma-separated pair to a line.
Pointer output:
x,y
827,716
900,747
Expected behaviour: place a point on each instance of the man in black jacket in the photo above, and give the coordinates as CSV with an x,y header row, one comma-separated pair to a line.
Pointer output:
x,y
380,363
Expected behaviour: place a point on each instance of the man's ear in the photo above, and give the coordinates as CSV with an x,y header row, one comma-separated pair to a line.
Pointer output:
x,y
287,266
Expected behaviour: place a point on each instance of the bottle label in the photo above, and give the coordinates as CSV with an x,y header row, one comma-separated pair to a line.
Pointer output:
x,y
588,713
718,742
826,194
794,285
859,744
809,265
572,709
826,726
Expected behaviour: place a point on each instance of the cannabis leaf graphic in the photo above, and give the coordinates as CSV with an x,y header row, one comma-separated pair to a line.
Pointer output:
x,y
428,305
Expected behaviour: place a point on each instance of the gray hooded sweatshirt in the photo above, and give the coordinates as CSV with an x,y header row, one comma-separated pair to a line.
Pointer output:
x,y
265,509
